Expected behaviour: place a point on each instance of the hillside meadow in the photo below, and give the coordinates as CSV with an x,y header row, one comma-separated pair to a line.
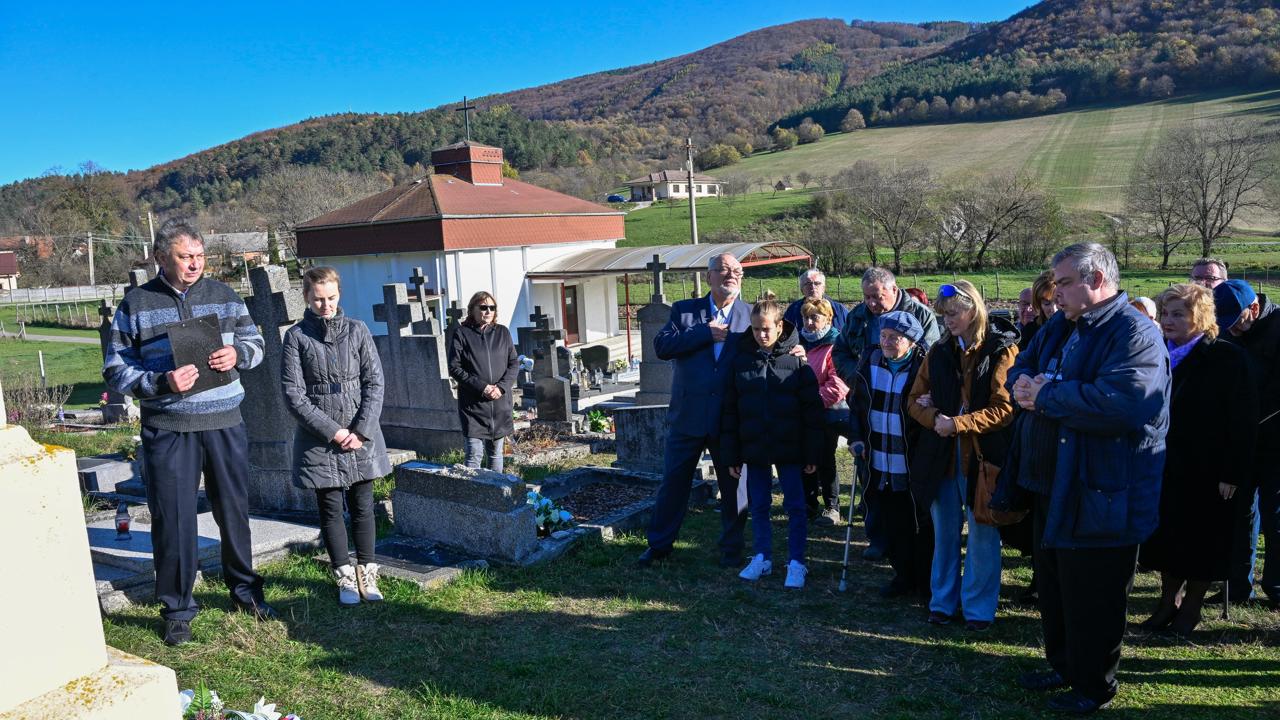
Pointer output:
x,y
1084,156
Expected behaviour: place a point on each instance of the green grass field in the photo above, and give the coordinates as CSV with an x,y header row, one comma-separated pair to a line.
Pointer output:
x,y
667,223
74,364
1084,156
9,318
589,636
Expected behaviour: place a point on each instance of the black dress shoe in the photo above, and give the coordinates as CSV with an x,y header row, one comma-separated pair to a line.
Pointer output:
x,y
259,610
730,559
177,632
896,588
651,556
1073,703
1041,680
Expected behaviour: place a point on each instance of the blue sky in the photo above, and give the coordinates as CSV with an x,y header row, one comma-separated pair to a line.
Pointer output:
x,y
130,85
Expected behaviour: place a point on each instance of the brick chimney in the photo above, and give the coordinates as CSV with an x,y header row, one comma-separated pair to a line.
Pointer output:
x,y
477,164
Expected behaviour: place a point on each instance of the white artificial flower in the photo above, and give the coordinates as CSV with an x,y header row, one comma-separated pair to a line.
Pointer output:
x,y
185,699
214,701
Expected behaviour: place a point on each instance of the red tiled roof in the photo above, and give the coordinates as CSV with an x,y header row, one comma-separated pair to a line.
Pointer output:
x,y
8,263
43,244
443,212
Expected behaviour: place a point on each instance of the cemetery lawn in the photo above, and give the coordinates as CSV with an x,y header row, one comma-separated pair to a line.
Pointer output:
x,y
589,636
76,364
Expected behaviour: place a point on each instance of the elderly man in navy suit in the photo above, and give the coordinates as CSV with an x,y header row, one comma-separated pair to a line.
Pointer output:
x,y
700,339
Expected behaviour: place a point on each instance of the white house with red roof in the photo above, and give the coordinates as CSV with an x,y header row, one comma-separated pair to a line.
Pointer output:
x,y
471,229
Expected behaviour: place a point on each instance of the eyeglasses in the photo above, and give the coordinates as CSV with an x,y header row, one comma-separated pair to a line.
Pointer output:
x,y
950,290
735,273
1207,278
487,308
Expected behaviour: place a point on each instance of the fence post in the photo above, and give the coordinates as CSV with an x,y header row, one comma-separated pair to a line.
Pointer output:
x,y
997,285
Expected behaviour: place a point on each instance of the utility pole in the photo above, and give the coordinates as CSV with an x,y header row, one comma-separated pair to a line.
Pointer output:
x,y
146,250
693,213
89,235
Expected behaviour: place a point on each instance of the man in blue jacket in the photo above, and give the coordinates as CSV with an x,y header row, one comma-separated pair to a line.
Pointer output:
x,y
1095,384
700,340
813,286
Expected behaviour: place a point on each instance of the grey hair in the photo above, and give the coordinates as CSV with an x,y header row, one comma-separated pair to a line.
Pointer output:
x,y
812,271
1211,261
170,232
1088,258
878,276
715,264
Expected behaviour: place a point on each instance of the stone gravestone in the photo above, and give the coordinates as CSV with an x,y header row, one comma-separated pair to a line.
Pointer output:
x,y
655,374
420,405
119,407
595,359
57,663
640,437
275,307
551,391
480,512
428,324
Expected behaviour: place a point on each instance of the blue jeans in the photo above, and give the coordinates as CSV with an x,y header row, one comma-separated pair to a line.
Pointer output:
x,y
478,449
760,501
978,591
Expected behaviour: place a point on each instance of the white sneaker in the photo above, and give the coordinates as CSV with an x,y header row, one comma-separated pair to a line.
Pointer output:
x,y
347,592
757,568
368,578
795,574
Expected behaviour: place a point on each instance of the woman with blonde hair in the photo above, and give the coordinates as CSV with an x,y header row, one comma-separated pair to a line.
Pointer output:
x,y
332,378
1213,421
960,398
483,360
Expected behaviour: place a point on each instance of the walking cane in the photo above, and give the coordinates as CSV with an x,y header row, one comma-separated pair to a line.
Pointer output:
x,y
848,528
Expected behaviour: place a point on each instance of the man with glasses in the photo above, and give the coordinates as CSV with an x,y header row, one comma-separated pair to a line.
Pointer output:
x,y
1089,449
813,286
1209,272
700,340
880,295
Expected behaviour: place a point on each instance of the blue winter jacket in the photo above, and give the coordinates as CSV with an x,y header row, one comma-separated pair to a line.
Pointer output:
x,y
698,378
1112,410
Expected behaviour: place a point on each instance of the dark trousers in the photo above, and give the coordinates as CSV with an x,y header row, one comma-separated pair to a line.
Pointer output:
x,y
173,462
908,537
872,518
334,530
1084,597
681,456
823,484
1259,513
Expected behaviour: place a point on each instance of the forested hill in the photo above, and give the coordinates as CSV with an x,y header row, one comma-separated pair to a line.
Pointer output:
x,y
1062,53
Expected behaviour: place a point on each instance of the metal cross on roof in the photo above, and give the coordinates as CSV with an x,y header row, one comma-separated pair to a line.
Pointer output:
x,y
657,266
466,115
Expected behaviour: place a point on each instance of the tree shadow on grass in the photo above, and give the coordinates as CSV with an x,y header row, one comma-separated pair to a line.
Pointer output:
x,y
590,636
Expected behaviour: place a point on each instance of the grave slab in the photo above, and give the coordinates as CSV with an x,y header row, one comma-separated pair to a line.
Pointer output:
x,y
640,437
271,539
103,473
420,562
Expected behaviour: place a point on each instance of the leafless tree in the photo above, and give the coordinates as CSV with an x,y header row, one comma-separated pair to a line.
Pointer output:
x,y
298,193
1152,201
1224,166
732,187
896,206
831,239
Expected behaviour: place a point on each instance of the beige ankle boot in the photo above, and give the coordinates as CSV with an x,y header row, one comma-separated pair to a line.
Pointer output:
x,y
367,577
348,594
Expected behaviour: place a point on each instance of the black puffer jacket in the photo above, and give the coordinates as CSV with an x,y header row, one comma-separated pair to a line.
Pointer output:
x,y
480,357
772,414
332,379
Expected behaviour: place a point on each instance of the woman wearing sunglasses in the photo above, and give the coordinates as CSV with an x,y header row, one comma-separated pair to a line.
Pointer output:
x,y
483,361
960,399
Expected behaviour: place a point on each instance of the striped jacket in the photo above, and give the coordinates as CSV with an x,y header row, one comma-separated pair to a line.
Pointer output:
x,y
139,354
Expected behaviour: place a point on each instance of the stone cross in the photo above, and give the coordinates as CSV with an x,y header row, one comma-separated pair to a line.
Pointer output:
x,y
419,281
137,277
119,407
396,311
656,266
274,305
455,313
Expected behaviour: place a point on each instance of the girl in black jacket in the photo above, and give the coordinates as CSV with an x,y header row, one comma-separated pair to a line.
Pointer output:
x,y
483,361
772,416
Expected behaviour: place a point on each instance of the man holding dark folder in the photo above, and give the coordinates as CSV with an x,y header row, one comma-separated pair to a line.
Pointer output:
x,y
190,419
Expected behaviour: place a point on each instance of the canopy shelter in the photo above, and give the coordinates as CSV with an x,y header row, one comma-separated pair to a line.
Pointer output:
x,y
671,258
677,258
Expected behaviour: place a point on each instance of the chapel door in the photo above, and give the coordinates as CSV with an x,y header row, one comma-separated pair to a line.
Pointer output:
x,y
570,300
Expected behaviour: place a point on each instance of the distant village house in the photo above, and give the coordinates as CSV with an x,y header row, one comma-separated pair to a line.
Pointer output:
x,y
669,184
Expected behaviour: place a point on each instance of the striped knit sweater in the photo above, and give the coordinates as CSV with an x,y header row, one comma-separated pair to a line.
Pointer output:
x,y
139,354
